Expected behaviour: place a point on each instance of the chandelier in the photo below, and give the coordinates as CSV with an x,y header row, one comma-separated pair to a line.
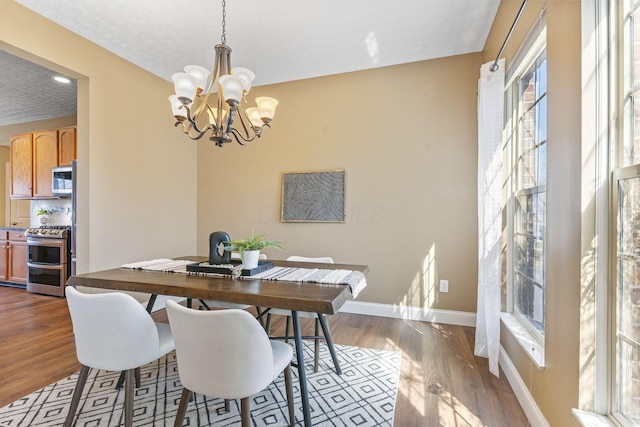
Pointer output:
x,y
222,114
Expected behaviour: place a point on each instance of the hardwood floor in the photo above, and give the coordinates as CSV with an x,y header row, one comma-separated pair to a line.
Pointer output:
x,y
441,382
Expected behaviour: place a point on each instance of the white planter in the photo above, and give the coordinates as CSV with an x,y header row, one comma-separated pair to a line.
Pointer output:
x,y
250,259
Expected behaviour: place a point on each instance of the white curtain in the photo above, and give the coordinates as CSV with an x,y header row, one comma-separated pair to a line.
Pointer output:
x,y
490,122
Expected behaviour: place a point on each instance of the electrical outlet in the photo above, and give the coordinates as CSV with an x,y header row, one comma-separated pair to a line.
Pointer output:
x,y
444,286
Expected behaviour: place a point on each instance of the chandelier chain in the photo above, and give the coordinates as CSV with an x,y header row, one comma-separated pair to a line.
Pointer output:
x,y
224,22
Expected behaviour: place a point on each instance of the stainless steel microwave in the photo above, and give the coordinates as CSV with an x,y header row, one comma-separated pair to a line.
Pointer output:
x,y
62,181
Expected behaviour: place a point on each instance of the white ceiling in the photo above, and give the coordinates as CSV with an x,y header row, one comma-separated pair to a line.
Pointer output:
x,y
280,40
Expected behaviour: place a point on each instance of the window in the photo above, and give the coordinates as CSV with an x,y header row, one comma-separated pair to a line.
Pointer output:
x,y
625,346
526,145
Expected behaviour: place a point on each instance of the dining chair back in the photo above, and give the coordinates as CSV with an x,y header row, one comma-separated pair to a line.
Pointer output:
x,y
226,354
113,332
320,320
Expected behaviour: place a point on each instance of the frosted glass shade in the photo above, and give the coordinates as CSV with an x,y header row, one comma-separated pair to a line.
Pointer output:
x,y
254,117
176,107
186,86
232,88
246,75
266,107
200,73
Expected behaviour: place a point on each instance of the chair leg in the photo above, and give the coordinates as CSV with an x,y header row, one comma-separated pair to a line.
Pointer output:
x,y
267,326
137,372
182,407
128,397
245,412
316,347
286,331
289,387
77,393
327,337
227,405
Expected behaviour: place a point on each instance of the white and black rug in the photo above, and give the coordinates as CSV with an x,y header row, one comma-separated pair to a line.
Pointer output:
x,y
364,395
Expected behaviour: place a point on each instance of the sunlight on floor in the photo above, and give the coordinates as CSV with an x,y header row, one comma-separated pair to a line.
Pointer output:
x,y
453,413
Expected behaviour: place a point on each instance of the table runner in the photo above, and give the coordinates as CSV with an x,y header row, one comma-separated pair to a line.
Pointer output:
x,y
354,279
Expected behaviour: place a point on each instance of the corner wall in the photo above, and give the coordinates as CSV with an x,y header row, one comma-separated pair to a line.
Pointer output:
x,y
406,136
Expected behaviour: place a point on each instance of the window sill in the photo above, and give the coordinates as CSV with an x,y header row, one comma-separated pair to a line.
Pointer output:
x,y
592,419
525,339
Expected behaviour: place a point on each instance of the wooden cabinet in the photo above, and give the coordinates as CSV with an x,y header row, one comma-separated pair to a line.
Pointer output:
x,y
32,157
21,158
17,257
66,146
13,257
45,157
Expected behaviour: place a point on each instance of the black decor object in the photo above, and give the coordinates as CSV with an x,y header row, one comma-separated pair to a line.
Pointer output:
x,y
217,254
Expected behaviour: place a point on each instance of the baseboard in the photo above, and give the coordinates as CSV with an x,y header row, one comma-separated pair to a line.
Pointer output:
x,y
449,317
528,404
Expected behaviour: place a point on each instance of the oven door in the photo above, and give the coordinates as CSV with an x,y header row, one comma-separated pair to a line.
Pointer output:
x,y
46,279
46,251
46,266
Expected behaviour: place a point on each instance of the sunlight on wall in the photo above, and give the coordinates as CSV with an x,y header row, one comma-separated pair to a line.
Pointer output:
x,y
372,48
422,292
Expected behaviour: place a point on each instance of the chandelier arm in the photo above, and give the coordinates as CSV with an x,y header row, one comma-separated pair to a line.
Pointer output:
x,y
241,139
242,116
187,131
191,119
214,79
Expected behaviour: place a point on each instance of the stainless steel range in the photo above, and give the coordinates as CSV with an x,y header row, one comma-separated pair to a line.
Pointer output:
x,y
48,259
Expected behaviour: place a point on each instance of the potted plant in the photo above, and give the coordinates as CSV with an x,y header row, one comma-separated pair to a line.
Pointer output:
x,y
250,247
44,214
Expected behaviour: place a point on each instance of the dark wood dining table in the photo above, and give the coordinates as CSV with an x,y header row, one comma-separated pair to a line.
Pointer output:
x,y
295,296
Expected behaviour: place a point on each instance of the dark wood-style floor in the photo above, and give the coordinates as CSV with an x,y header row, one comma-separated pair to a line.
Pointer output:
x,y
441,382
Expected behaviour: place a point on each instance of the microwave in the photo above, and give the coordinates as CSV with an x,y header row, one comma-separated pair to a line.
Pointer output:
x,y
62,181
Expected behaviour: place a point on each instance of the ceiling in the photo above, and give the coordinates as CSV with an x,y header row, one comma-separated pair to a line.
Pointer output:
x,y
280,40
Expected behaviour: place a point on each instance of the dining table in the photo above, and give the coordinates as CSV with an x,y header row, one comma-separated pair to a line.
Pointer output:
x,y
296,296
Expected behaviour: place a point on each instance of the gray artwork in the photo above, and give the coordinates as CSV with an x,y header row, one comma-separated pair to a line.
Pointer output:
x,y
313,197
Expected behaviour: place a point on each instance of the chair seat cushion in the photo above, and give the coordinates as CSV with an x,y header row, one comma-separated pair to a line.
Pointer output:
x,y
224,304
281,312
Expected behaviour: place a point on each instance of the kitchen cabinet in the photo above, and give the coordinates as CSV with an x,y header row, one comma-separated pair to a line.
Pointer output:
x,y
32,157
21,159
13,257
66,146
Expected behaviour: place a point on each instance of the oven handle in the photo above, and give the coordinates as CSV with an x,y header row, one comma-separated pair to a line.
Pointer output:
x,y
45,242
46,266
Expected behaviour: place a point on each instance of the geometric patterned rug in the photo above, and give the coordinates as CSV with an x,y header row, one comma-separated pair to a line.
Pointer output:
x,y
364,395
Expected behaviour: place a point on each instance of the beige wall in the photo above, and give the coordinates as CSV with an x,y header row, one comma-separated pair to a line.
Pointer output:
x,y
137,183
406,137
555,388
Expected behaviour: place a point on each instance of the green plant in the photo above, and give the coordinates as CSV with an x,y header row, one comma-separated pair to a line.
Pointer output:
x,y
252,243
44,211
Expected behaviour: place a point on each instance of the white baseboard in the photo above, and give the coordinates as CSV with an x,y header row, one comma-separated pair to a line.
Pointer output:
x,y
449,317
529,406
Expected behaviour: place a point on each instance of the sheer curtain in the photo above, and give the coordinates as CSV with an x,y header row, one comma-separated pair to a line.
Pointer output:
x,y
490,123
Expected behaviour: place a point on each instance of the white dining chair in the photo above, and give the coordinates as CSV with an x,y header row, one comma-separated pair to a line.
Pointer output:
x,y
113,332
319,317
226,354
209,303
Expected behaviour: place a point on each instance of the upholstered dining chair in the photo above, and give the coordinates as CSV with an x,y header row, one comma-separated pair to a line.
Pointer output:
x,y
113,332
209,303
226,354
317,316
